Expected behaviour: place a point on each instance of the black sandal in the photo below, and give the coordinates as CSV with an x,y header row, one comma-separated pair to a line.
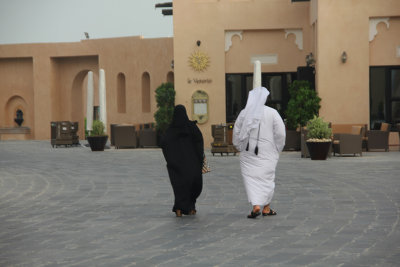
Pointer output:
x,y
270,213
253,215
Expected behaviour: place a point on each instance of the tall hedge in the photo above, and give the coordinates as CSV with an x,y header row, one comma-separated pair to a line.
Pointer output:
x,y
165,98
303,105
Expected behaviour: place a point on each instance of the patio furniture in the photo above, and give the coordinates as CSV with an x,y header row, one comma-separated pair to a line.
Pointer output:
x,y
222,134
125,136
112,134
303,145
74,133
147,137
379,139
63,133
349,143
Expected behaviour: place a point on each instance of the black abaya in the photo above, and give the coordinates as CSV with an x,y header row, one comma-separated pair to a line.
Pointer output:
x,y
182,146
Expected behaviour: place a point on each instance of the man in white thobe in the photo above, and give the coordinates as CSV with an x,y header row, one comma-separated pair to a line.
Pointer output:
x,y
259,134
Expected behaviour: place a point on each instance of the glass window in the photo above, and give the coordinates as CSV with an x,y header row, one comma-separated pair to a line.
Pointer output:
x,y
239,85
395,82
384,95
233,96
395,111
377,96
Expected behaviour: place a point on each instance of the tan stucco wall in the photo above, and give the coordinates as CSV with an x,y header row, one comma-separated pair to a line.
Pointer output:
x,y
263,22
344,26
16,90
329,27
51,79
387,41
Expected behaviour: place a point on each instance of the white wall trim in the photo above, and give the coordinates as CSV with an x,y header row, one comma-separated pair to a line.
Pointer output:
x,y
265,59
299,37
228,38
373,22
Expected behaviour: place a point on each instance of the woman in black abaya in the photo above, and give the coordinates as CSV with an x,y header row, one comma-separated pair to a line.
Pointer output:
x,y
182,146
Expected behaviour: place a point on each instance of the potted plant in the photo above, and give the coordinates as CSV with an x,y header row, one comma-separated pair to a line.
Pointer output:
x,y
303,105
165,98
319,138
97,138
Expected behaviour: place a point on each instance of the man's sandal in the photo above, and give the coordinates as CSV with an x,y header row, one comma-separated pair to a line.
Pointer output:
x,y
270,213
253,215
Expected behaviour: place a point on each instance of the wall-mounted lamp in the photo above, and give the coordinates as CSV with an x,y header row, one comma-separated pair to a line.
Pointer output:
x,y
310,60
198,42
344,57
172,64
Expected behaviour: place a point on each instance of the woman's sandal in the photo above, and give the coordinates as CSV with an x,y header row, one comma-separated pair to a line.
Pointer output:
x,y
253,215
270,213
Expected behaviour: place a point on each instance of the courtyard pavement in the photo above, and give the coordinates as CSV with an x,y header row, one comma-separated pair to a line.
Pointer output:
x,y
74,207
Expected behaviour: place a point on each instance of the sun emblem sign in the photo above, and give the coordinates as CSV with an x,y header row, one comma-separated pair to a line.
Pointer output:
x,y
199,61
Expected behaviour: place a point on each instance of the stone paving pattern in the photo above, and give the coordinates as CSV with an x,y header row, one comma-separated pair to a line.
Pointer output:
x,y
74,207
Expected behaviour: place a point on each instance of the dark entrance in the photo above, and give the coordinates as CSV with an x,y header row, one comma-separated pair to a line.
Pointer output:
x,y
239,85
384,95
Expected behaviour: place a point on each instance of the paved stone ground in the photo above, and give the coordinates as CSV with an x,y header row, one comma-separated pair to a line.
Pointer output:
x,y
74,207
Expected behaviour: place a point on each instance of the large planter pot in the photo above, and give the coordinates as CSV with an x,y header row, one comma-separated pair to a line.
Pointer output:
x,y
318,150
97,143
292,141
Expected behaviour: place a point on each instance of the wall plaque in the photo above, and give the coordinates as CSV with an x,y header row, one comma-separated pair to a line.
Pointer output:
x,y
200,106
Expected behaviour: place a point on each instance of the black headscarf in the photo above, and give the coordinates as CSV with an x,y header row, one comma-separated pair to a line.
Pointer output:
x,y
180,120
180,117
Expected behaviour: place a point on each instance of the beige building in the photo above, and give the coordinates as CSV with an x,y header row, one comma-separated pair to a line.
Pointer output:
x,y
355,44
231,34
47,82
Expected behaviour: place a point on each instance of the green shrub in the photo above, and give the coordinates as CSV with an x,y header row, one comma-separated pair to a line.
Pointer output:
x,y
303,104
165,97
318,129
98,128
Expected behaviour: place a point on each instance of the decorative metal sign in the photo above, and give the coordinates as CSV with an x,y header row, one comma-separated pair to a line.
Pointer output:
x,y
199,61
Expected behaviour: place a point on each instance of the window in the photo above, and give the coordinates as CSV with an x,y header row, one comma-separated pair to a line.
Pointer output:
x,y
384,95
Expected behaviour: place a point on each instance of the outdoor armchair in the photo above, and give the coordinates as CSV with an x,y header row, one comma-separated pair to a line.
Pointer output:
x,y
148,137
124,136
348,143
379,139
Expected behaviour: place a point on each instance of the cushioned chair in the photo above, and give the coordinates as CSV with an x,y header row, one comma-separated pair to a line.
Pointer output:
x,y
379,139
125,136
147,137
349,143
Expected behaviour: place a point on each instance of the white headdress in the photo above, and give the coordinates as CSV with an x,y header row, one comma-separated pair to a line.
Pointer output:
x,y
252,115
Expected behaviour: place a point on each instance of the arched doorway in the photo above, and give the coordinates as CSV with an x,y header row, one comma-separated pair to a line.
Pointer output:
x,y
78,99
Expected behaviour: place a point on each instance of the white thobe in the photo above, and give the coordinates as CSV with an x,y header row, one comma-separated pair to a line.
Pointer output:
x,y
258,171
